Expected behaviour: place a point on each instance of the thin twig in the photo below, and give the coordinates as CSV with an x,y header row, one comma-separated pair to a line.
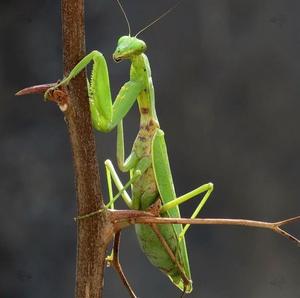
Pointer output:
x,y
273,226
35,89
123,218
115,262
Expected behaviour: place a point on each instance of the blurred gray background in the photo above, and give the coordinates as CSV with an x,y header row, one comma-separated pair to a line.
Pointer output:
x,y
227,82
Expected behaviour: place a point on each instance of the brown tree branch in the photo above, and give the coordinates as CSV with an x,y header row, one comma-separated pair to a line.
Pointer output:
x,y
94,235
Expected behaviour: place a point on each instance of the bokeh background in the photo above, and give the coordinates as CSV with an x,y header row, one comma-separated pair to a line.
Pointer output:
x,y
227,82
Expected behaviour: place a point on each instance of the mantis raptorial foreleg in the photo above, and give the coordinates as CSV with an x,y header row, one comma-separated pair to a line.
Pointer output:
x,y
105,114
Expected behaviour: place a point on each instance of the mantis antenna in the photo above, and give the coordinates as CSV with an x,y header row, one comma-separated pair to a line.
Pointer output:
x,y
124,13
159,18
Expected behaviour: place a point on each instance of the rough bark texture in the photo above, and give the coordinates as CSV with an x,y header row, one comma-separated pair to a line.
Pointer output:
x,y
91,236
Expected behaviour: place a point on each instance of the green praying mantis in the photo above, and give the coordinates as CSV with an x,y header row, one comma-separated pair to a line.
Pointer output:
x,y
148,164
150,177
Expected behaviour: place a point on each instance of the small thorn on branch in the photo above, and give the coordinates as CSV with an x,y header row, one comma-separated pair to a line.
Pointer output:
x,y
37,89
58,95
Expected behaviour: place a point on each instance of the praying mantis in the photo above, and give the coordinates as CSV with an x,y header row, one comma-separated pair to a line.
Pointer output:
x,y
150,175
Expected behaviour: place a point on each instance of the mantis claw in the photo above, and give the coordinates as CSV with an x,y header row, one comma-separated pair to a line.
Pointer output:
x,y
48,91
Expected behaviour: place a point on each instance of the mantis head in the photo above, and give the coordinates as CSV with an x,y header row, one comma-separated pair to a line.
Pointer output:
x,y
128,47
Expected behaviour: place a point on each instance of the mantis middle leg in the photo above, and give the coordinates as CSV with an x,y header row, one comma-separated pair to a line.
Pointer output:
x,y
141,167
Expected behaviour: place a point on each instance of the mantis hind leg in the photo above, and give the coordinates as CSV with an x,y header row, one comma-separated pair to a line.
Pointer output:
x,y
205,188
166,187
